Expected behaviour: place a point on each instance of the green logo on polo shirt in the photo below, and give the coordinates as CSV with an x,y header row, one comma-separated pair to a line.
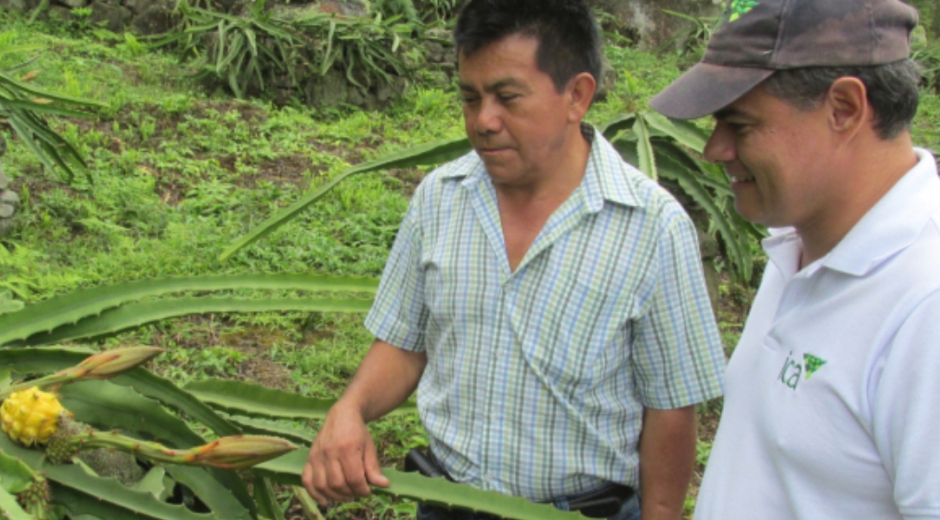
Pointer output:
x,y
739,8
792,371
812,364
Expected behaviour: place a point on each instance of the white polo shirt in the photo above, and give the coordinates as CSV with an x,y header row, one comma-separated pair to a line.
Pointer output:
x,y
832,402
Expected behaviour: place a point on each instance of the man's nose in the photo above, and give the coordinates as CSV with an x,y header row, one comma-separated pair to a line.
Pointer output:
x,y
720,146
489,118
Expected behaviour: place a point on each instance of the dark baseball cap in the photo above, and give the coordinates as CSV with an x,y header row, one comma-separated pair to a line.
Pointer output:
x,y
758,37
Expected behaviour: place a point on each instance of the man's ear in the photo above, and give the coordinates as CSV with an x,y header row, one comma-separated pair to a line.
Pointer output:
x,y
847,104
581,91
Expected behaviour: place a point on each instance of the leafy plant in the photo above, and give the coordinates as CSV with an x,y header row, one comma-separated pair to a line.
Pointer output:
x,y
251,53
23,108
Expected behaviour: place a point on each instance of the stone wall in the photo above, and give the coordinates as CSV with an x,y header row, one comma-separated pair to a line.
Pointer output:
x,y
9,201
652,25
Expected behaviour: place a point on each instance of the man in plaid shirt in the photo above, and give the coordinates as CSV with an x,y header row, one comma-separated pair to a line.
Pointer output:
x,y
544,297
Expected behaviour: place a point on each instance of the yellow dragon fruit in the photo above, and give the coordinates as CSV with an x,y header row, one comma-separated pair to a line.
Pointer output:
x,y
30,416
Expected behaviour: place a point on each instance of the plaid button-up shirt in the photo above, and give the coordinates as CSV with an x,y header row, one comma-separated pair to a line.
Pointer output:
x,y
537,379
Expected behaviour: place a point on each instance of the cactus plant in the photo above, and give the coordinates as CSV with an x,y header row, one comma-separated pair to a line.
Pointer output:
x,y
107,402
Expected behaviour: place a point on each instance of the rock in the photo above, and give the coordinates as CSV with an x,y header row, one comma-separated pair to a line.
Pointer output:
x,y
6,225
4,180
12,5
153,20
435,51
355,97
6,210
9,197
59,13
114,17
344,7
73,4
647,17
384,92
328,91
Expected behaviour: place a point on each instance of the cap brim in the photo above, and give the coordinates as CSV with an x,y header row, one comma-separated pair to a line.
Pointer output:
x,y
705,89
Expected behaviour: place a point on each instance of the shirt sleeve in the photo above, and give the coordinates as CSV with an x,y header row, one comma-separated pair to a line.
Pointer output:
x,y
398,314
906,414
678,358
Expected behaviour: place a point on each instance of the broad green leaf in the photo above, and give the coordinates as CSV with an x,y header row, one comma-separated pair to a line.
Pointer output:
x,y
644,149
75,305
207,484
255,400
428,154
8,304
287,469
307,503
273,428
17,86
42,108
10,509
134,315
108,406
617,124
6,378
685,132
690,184
15,476
266,500
154,482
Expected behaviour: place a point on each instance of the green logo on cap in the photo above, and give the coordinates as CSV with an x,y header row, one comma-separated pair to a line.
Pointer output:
x,y
739,8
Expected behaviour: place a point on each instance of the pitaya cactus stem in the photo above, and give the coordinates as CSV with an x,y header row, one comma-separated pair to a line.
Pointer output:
x,y
234,452
98,366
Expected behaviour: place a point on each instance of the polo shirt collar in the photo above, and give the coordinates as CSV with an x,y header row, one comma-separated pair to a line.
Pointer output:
x,y
605,178
891,225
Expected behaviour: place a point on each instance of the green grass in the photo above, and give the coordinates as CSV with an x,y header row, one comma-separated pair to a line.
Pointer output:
x,y
176,174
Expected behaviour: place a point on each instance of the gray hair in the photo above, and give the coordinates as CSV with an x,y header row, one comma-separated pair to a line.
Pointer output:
x,y
892,91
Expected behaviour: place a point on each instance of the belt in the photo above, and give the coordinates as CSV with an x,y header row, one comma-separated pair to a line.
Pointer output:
x,y
603,502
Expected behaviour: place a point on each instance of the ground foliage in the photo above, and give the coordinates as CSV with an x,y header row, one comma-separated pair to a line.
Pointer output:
x,y
175,174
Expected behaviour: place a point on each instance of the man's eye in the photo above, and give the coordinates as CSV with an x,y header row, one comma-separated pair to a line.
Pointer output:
x,y
507,97
466,100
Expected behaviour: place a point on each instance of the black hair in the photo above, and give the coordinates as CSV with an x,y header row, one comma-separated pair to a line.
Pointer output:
x,y
568,36
892,91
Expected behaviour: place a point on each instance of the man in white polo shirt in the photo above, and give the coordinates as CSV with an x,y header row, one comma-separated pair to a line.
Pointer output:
x,y
831,408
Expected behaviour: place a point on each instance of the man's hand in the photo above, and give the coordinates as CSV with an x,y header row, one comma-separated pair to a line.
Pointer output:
x,y
343,461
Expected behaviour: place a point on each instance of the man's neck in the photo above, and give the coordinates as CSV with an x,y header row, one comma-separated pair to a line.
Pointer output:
x,y
867,175
556,182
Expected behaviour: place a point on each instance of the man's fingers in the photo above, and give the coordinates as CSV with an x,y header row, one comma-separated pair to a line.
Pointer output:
x,y
336,486
355,474
314,482
372,467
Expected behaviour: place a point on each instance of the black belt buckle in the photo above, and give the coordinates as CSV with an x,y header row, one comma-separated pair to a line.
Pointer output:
x,y
604,503
417,461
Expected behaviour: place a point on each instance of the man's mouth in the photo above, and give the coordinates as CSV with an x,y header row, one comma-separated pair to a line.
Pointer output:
x,y
740,178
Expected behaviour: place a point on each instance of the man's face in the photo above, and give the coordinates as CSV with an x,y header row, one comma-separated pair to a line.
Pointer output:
x,y
778,158
514,117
